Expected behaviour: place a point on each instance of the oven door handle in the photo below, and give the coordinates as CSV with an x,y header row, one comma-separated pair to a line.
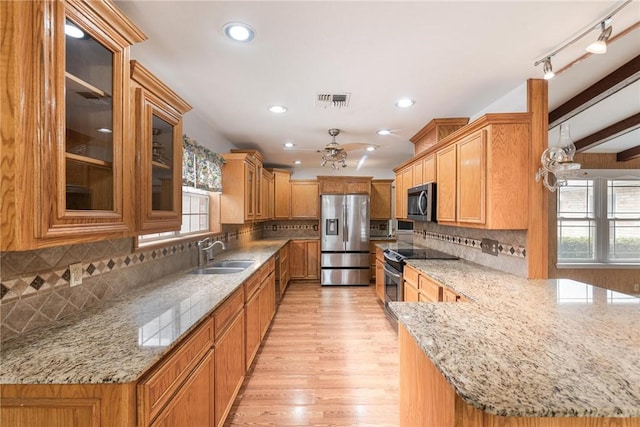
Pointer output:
x,y
391,273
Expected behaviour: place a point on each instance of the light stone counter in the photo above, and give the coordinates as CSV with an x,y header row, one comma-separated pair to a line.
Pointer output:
x,y
119,341
532,348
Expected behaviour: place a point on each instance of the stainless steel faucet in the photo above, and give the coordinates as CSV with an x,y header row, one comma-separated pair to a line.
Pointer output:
x,y
203,250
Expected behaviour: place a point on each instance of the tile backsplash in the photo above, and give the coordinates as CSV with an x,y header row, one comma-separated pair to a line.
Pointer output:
x,y
291,229
466,243
35,289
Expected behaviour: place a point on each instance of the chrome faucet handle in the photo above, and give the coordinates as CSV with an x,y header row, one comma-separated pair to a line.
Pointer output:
x,y
203,242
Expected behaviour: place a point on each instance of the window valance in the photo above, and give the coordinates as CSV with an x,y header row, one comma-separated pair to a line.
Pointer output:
x,y
201,167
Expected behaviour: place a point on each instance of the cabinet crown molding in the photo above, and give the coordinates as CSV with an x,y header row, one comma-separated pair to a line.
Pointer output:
x,y
482,121
151,83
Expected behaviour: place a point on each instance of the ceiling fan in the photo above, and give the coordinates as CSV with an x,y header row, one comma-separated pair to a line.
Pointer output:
x,y
336,154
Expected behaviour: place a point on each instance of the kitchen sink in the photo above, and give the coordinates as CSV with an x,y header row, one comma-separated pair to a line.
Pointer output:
x,y
233,263
217,270
224,267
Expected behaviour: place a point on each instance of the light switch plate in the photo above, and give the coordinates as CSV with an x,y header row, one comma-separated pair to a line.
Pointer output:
x,y
75,271
490,247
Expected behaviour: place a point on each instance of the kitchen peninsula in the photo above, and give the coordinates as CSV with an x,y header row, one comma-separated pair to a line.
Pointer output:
x,y
518,353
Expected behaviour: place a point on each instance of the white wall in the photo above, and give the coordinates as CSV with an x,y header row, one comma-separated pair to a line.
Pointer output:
x,y
513,102
197,128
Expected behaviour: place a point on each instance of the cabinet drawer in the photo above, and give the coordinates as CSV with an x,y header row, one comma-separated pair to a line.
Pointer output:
x,y
449,296
251,286
227,311
431,289
410,275
160,386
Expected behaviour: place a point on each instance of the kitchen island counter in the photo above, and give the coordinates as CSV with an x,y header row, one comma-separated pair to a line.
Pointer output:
x,y
120,340
530,348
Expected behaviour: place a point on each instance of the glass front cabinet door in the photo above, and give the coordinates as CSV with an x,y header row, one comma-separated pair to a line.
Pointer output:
x,y
158,115
67,110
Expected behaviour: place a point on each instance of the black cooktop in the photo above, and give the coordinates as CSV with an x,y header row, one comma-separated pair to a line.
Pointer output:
x,y
399,255
425,253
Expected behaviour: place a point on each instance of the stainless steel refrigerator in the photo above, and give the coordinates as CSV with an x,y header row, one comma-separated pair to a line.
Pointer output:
x,y
344,234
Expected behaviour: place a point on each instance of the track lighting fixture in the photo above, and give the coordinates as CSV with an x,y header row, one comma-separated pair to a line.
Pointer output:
x,y
600,46
548,69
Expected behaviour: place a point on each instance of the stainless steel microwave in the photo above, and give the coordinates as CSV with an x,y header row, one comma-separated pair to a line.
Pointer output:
x,y
421,203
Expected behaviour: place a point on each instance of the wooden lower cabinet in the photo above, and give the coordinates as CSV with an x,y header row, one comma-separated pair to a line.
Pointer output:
x,y
229,367
283,280
252,325
193,404
267,303
54,405
410,293
427,399
304,259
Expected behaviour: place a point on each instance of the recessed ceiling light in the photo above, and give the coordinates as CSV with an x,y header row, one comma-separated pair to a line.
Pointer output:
x,y
277,109
289,145
405,102
239,32
104,130
384,132
297,162
371,148
73,31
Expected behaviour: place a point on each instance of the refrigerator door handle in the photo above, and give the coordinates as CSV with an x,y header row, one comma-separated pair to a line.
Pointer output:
x,y
345,223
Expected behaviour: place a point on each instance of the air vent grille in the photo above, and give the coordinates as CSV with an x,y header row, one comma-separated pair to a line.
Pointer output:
x,y
333,100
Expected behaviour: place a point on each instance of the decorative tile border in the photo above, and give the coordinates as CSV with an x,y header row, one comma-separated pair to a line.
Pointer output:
x,y
31,283
503,248
280,227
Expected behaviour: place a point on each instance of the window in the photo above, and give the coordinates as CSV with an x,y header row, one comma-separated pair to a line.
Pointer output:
x,y
195,217
599,221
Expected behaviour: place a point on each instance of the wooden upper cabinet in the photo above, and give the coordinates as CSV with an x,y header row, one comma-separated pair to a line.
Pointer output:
x,y
268,190
344,185
429,169
158,115
241,187
65,113
381,199
471,172
482,174
446,178
282,194
305,199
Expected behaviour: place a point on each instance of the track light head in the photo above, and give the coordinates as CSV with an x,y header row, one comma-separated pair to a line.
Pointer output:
x,y
548,69
600,46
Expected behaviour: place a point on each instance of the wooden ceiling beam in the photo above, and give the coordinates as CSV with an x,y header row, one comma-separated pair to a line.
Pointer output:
x,y
620,128
607,86
628,154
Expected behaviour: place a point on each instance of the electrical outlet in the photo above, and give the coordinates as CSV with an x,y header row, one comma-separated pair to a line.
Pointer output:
x,y
76,274
636,287
490,247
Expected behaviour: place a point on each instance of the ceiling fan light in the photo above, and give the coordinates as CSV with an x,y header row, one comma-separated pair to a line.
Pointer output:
x,y
384,132
371,148
289,145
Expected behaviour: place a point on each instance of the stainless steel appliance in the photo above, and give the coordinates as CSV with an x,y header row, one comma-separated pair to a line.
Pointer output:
x,y
393,269
421,203
344,245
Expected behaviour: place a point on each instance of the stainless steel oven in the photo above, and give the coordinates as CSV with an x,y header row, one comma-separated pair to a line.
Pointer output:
x,y
393,285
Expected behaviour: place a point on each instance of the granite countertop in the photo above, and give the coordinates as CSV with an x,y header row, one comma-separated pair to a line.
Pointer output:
x,y
531,348
117,342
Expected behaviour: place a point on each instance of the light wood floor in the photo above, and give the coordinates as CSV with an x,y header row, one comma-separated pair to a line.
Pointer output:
x,y
330,359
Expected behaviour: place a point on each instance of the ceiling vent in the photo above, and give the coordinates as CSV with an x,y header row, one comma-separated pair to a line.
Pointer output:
x,y
333,100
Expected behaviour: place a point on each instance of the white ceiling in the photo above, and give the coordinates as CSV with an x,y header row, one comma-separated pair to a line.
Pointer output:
x,y
453,58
